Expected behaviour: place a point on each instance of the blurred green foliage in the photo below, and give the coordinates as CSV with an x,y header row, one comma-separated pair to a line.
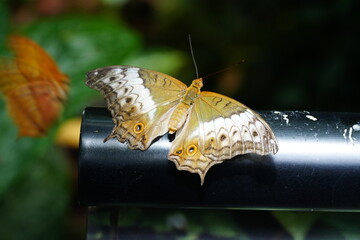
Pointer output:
x,y
36,206
190,224
32,171
298,55
3,24
150,223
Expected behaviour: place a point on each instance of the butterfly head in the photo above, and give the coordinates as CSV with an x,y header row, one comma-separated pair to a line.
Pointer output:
x,y
197,83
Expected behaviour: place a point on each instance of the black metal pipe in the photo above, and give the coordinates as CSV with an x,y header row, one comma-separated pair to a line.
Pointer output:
x,y
316,168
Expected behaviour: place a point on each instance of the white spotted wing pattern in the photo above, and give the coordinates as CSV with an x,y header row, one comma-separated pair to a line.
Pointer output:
x,y
210,127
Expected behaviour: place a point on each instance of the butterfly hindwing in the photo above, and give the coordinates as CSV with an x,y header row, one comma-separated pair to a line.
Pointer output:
x,y
141,101
231,128
219,128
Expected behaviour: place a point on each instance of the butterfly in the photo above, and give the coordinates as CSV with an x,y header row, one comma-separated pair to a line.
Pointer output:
x,y
210,127
33,86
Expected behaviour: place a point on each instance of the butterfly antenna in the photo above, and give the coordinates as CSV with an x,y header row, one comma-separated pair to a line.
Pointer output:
x,y
193,57
224,69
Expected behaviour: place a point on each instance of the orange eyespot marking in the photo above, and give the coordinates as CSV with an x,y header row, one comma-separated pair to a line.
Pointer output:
x,y
179,151
191,150
139,127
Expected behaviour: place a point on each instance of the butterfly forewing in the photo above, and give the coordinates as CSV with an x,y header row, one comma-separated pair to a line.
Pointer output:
x,y
141,101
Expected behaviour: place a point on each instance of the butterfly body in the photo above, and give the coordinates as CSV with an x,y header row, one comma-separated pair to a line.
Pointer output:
x,y
210,127
181,112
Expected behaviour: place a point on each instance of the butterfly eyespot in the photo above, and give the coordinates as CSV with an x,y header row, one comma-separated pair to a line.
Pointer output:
x,y
255,134
139,127
191,150
126,90
179,151
112,78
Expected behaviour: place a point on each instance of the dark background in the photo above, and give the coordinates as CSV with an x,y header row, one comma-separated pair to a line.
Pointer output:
x,y
292,56
298,55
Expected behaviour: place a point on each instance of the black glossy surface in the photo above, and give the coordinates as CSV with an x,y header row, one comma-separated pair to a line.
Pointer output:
x,y
317,167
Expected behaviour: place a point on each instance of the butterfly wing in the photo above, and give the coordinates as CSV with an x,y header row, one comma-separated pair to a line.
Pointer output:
x,y
185,150
36,65
219,128
140,101
33,86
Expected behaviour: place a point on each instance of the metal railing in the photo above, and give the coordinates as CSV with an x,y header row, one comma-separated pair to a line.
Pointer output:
x,y
317,168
